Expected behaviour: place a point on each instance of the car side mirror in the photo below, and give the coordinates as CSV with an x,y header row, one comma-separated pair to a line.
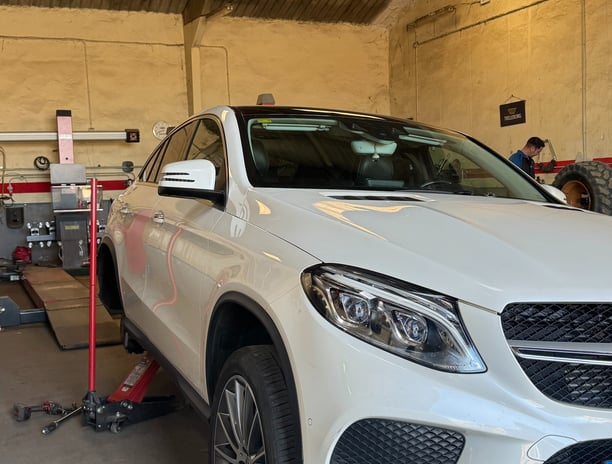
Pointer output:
x,y
190,179
555,192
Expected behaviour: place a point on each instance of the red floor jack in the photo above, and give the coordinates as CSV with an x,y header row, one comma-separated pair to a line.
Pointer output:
x,y
128,404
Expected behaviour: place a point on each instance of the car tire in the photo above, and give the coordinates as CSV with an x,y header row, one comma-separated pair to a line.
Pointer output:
x,y
252,396
587,185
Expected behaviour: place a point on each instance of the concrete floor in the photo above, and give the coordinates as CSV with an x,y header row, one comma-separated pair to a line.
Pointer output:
x,y
33,369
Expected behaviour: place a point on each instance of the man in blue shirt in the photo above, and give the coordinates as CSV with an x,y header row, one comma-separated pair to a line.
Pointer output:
x,y
524,158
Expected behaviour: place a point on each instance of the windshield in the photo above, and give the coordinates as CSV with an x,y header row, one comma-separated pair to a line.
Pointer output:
x,y
371,153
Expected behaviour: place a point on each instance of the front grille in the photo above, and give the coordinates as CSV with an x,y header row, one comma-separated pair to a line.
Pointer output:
x,y
569,377
558,322
380,441
581,384
587,452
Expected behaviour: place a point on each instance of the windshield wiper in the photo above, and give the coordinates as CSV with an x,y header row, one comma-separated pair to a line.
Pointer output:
x,y
463,192
451,192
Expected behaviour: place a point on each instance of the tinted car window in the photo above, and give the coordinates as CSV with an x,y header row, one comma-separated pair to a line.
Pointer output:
x,y
151,166
175,149
208,144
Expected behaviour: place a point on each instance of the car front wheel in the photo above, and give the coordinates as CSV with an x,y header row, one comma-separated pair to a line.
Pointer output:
x,y
252,420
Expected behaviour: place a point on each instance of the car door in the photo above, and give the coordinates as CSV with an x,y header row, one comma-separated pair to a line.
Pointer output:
x,y
144,246
131,227
182,274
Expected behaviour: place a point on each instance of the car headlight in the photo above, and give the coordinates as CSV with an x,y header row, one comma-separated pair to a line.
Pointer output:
x,y
412,322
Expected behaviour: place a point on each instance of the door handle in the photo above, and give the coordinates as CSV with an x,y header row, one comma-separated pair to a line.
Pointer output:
x,y
124,208
158,217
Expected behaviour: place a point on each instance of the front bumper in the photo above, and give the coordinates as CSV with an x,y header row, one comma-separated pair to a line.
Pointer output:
x,y
359,404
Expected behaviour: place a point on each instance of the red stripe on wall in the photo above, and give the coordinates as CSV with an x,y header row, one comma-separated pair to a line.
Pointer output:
x,y
45,187
561,164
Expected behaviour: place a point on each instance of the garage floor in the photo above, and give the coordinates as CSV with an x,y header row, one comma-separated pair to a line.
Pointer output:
x,y
33,369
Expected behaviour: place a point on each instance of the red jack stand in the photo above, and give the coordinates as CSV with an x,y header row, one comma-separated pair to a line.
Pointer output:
x,y
127,405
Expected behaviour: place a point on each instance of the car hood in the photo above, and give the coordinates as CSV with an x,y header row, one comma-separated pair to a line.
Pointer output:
x,y
483,250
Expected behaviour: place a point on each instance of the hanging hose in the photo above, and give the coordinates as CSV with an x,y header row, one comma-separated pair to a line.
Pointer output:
x,y
550,166
42,163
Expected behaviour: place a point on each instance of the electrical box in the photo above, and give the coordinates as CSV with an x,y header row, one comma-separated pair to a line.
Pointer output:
x,y
73,227
14,216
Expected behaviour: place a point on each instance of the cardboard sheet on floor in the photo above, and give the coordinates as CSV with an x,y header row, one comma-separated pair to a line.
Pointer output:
x,y
71,327
66,301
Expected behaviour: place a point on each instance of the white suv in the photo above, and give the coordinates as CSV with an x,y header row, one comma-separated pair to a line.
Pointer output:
x,y
333,287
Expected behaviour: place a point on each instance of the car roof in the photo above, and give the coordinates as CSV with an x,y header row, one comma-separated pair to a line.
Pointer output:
x,y
290,110
273,110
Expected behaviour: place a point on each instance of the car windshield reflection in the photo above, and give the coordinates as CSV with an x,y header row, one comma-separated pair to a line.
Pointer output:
x,y
375,153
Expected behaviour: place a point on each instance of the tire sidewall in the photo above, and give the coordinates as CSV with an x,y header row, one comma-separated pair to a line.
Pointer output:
x,y
596,177
248,364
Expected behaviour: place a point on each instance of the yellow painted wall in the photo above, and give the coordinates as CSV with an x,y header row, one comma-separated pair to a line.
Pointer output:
x,y
455,68
118,70
324,65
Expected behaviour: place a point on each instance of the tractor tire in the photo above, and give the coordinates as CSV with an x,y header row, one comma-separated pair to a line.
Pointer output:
x,y
587,185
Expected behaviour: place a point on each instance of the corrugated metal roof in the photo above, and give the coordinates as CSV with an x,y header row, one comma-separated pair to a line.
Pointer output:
x,y
159,6
329,11
326,11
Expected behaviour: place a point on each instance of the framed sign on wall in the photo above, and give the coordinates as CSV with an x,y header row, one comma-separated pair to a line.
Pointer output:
x,y
512,113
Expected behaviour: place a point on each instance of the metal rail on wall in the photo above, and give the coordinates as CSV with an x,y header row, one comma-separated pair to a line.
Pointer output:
x,y
126,135
65,135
